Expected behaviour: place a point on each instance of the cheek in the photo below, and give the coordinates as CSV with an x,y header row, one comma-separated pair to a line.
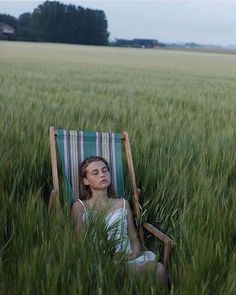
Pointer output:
x,y
88,180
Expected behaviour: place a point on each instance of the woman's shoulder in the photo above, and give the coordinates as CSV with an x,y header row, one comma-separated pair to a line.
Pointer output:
x,y
120,203
78,205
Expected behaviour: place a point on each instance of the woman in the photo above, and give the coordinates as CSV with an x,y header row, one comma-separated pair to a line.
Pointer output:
x,y
96,190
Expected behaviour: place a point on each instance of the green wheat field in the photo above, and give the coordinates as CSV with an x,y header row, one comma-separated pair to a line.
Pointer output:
x,y
179,109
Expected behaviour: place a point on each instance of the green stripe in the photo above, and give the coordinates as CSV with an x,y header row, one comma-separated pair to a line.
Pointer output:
x,y
89,144
119,166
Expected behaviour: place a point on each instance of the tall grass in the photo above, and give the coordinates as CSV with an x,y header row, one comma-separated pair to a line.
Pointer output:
x,y
180,111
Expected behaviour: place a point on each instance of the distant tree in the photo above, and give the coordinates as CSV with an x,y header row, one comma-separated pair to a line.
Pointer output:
x,y
56,22
24,27
191,45
48,21
95,27
9,20
53,21
72,26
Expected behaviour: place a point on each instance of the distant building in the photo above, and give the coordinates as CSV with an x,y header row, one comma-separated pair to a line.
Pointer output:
x,y
6,31
141,43
145,43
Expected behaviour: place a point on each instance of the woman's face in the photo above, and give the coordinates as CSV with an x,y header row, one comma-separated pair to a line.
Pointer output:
x,y
98,177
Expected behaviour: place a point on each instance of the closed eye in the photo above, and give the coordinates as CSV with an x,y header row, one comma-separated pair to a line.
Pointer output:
x,y
94,172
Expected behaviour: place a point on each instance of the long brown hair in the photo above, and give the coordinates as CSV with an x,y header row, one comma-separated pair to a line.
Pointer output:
x,y
84,190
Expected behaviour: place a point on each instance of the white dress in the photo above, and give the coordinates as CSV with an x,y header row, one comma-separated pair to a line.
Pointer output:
x,y
117,230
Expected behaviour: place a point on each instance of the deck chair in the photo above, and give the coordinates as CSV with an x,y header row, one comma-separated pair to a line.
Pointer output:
x,y
74,146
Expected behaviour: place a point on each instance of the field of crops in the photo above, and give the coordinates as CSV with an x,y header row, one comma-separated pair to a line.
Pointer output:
x,y
179,109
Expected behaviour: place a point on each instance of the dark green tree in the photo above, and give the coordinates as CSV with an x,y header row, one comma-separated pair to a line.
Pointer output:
x,y
53,21
56,22
24,27
9,20
95,27
48,21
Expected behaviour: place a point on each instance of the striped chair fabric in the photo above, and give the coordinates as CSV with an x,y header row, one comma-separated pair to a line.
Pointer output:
x,y
75,146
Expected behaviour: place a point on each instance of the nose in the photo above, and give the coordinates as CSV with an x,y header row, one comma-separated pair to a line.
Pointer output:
x,y
102,174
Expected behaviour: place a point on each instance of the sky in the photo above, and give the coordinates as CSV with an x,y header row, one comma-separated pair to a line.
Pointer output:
x,y
205,22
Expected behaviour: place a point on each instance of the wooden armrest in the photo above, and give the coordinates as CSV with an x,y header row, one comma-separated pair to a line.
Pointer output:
x,y
54,193
160,235
139,192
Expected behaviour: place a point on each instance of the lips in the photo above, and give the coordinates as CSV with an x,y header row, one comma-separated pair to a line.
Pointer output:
x,y
103,181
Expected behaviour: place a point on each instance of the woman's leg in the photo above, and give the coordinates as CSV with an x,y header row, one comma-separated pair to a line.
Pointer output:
x,y
161,274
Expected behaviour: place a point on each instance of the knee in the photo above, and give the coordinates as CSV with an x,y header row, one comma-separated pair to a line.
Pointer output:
x,y
160,268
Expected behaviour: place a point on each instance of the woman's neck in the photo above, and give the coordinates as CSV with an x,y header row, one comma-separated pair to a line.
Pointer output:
x,y
99,198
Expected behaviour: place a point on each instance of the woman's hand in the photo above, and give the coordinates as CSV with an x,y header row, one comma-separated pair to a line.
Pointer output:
x,y
126,256
134,255
135,244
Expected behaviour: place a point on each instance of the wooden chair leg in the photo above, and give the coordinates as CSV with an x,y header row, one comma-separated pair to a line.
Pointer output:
x,y
54,204
167,249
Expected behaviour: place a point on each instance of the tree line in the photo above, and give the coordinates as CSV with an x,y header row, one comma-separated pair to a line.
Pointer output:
x,y
57,22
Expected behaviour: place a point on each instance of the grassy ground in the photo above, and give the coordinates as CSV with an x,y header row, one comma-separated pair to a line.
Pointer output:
x,y
180,111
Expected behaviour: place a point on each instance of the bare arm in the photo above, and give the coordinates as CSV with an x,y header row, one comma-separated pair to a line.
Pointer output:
x,y
77,212
135,244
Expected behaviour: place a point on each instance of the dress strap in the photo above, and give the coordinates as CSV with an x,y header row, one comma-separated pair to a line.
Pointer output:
x,y
124,203
82,204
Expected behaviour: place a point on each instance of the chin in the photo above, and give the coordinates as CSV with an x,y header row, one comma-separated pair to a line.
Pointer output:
x,y
105,185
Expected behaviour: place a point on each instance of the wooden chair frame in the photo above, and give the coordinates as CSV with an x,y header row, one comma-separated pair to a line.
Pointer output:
x,y
169,244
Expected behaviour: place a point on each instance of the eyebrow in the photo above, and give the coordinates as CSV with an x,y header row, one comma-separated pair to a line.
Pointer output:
x,y
98,169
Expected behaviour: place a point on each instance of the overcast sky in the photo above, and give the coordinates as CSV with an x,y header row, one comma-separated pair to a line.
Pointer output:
x,y
206,22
